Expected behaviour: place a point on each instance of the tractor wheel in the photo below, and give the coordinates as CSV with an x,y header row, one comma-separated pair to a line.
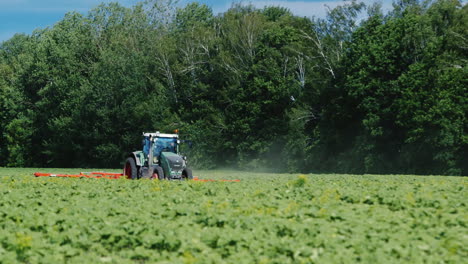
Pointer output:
x,y
130,169
187,174
158,173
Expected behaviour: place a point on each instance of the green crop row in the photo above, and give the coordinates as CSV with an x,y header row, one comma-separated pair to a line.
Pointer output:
x,y
265,218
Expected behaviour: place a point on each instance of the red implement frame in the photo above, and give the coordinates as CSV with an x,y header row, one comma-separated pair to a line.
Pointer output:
x,y
94,175
109,175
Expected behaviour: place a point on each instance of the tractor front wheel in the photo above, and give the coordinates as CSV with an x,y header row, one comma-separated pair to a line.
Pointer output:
x,y
130,169
158,173
187,174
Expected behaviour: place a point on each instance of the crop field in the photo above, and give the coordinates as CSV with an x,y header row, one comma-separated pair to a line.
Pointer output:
x,y
265,218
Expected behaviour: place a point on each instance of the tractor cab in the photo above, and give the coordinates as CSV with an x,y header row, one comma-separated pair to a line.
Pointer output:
x,y
154,144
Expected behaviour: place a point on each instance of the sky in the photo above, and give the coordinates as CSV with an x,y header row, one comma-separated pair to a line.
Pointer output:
x,y
23,16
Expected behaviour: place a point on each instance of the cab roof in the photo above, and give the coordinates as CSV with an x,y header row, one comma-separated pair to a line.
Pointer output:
x,y
158,134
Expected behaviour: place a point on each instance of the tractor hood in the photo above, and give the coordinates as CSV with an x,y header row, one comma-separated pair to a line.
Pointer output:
x,y
172,164
175,161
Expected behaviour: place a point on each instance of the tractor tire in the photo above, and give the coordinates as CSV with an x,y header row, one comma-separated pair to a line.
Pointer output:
x,y
130,169
187,174
158,173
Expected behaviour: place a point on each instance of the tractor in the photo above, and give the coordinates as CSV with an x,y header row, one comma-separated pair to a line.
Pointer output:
x,y
159,159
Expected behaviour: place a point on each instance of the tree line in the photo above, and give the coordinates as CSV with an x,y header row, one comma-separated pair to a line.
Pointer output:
x,y
359,91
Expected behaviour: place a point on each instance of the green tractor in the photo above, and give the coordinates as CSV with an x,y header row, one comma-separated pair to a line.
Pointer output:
x,y
159,159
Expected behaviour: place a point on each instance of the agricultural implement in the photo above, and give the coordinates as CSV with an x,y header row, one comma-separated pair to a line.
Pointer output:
x,y
110,176
92,175
159,159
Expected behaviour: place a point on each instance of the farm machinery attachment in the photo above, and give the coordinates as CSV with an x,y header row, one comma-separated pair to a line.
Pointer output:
x,y
91,175
110,176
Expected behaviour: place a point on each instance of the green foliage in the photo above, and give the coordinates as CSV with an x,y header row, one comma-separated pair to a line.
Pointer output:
x,y
264,218
410,116
18,136
253,88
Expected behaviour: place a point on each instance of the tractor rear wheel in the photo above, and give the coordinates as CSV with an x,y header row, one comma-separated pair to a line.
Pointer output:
x,y
158,173
130,169
187,174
